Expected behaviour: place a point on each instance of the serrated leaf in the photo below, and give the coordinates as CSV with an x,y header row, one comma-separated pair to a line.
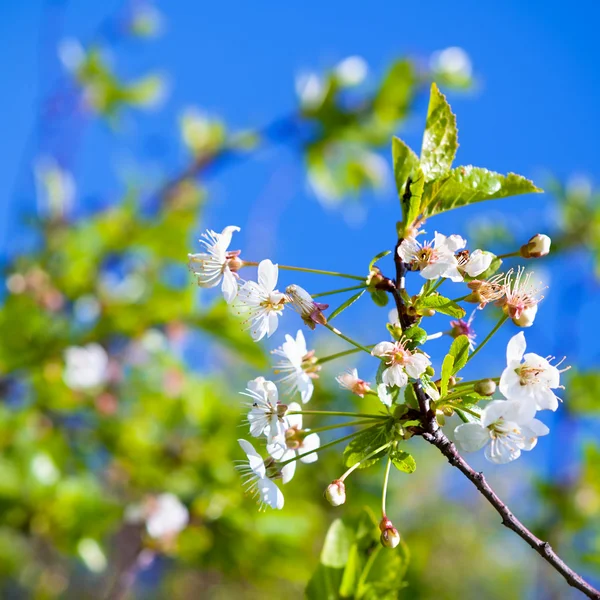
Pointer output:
x,y
441,304
364,444
447,370
440,139
345,305
469,184
406,164
403,461
416,335
459,352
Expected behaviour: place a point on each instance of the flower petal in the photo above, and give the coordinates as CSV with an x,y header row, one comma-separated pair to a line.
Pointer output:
x,y
516,348
267,275
471,436
255,460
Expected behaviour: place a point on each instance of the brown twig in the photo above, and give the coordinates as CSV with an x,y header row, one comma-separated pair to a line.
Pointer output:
x,y
435,436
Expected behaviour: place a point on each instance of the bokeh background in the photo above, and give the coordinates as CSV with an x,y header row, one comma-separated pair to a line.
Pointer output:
x,y
129,128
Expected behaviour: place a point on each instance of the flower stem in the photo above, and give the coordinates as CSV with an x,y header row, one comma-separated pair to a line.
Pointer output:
x,y
333,443
341,290
474,381
357,464
437,285
325,359
461,298
488,337
347,339
386,478
249,263
334,413
509,254
368,421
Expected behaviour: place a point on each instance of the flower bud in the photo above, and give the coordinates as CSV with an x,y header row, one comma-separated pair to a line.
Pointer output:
x,y
336,493
485,387
536,247
527,317
302,302
390,537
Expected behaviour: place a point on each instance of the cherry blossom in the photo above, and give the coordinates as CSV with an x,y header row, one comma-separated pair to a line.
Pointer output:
x,y
266,414
521,297
433,259
298,366
474,263
401,363
529,379
257,481
86,367
217,264
351,381
262,302
502,430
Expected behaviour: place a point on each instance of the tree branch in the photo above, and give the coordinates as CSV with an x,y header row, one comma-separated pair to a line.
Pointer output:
x,y
435,436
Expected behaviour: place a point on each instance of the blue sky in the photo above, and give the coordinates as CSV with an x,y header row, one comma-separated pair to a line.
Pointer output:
x,y
534,110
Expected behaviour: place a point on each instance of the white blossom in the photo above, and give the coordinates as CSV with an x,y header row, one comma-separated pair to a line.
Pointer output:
x,y
266,414
262,302
351,381
256,479
433,259
351,71
85,367
401,363
164,515
529,379
298,366
293,444
502,430
537,246
521,297
217,263
475,263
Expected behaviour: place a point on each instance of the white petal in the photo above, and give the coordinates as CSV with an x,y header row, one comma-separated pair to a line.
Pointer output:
x,y
500,409
301,343
288,471
382,349
455,243
255,460
230,286
384,395
433,271
394,376
500,452
294,420
306,387
417,365
516,348
267,275
471,436
271,323
270,494
549,375
545,399
225,237
479,261
311,442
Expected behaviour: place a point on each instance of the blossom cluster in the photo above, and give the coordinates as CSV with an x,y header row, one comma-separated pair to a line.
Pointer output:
x,y
275,407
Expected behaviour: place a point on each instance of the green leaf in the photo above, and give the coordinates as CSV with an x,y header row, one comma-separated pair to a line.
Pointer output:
x,y
447,370
345,305
351,577
441,304
403,461
380,297
440,139
364,444
467,185
583,390
384,573
406,164
378,257
459,352
416,336
336,547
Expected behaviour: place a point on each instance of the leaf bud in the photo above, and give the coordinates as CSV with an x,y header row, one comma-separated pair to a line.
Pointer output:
x,y
536,247
336,493
485,387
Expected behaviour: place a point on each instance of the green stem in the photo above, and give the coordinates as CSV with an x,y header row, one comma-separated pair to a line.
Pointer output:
x,y
464,410
338,425
474,381
249,263
437,285
341,290
488,337
325,359
509,254
461,415
346,338
386,478
329,444
461,298
334,413
358,463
